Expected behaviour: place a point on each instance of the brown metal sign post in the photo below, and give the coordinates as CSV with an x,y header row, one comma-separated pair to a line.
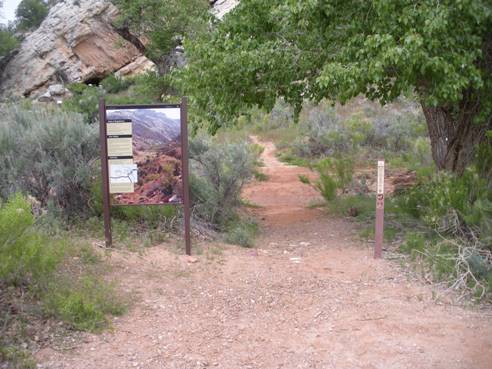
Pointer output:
x,y
185,171
379,211
105,174
144,159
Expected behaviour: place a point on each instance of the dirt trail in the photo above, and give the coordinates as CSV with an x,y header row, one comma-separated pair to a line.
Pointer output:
x,y
309,296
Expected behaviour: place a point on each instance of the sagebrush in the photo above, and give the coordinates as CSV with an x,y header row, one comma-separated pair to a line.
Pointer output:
x,y
219,172
48,154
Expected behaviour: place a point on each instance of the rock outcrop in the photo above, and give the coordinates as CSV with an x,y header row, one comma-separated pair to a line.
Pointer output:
x,y
138,66
76,43
222,7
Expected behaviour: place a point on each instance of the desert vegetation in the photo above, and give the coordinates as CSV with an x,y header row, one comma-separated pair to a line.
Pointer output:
x,y
52,191
380,57
442,220
47,276
29,15
335,89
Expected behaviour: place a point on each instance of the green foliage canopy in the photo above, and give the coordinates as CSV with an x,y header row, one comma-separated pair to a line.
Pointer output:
x,y
164,24
30,13
336,49
8,41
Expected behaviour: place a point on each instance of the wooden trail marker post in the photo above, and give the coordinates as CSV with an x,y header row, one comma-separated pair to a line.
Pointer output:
x,y
378,247
144,159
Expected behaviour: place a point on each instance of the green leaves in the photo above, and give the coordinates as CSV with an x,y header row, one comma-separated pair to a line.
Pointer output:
x,y
316,49
8,41
30,14
164,24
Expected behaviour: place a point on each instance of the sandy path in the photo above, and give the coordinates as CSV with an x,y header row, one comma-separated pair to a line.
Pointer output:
x,y
309,296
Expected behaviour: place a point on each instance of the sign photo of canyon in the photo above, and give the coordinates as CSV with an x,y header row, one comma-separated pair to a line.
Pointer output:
x,y
156,145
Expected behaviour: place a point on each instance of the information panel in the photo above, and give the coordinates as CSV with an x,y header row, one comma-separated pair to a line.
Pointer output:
x,y
144,155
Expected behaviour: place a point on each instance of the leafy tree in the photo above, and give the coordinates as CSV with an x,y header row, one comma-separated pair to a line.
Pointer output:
x,y
8,41
30,13
164,24
441,50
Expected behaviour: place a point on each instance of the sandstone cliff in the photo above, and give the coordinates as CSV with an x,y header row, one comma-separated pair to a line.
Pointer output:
x,y
222,7
76,43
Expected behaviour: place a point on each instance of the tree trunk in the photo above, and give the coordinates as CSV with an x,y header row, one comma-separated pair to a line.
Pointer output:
x,y
454,137
124,31
453,133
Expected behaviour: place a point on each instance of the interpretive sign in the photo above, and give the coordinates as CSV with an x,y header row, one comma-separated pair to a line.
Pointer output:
x,y
122,177
150,138
144,157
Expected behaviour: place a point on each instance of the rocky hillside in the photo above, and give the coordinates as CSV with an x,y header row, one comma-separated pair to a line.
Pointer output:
x,y
150,127
76,43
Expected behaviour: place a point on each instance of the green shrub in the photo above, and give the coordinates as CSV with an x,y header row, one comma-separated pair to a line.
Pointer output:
x,y
441,259
327,186
414,244
457,206
294,160
8,41
459,262
360,207
344,171
333,174
44,276
242,233
27,257
422,151
281,116
48,154
113,84
457,212
34,261
85,100
151,217
260,176
324,132
18,359
152,86
30,14
479,265
49,277
484,160
219,172
84,303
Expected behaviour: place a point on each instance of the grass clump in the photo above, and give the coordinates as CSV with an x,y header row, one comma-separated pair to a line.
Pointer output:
x,y
45,276
242,233
260,176
85,304
131,224
334,174
16,358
